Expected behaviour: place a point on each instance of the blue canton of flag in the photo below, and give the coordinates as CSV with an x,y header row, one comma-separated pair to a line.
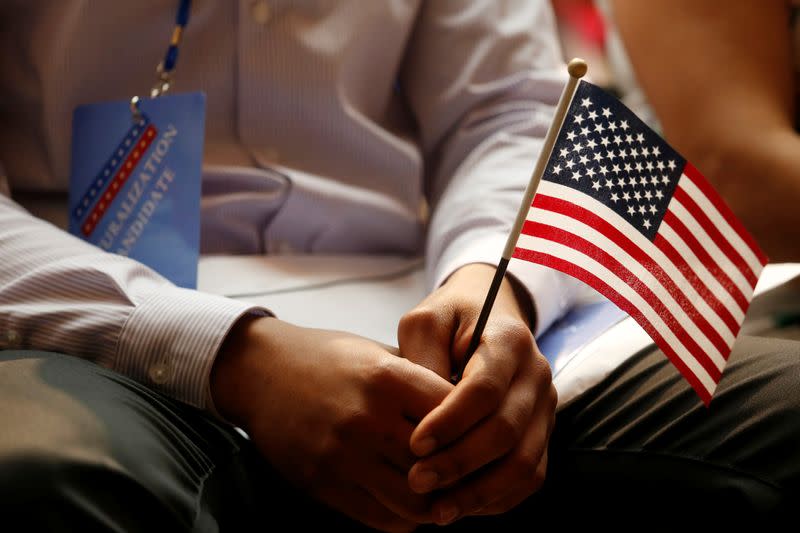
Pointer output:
x,y
605,151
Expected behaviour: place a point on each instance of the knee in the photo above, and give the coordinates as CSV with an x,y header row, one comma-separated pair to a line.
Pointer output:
x,y
50,449
765,371
759,404
76,454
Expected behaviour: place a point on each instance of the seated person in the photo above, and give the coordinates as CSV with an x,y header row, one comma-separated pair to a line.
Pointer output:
x,y
368,108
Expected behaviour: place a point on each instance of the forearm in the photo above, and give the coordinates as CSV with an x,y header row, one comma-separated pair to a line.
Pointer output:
x,y
719,78
237,375
760,180
483,83
512,296
59,293
473,220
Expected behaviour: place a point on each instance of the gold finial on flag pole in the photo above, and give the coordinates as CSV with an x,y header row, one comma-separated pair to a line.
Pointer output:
x,y
577,69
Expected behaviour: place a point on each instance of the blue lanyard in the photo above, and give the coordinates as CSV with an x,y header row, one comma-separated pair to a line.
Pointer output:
x,y
165,68
181,20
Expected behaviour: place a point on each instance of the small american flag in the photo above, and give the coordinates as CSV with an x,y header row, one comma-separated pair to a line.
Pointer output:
x,y
621,210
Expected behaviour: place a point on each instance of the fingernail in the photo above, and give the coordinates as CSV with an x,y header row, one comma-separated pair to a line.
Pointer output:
x,y
447,513
424,481
425,446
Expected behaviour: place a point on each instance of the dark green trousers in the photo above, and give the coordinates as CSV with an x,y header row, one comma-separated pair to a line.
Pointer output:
x,y
85,449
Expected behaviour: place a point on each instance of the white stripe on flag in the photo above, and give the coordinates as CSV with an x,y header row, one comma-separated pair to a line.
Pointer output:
x,y
722,225
677,242
711,283
719,257
587,263
650,281
591,234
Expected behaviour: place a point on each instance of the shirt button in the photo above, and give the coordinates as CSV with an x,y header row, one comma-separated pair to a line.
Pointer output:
x,y
260,12
159,373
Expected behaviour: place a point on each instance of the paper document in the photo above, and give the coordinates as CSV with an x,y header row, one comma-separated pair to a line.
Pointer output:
x,y
566,337
367,295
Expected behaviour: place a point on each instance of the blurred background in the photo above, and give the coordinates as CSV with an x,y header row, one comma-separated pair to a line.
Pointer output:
x,y
587,31
584,34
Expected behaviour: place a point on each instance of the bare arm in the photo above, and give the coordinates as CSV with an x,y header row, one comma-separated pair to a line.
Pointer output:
x,y
718,74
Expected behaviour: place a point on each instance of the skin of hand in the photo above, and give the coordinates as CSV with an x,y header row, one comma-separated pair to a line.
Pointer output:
x,y
484,449
333,412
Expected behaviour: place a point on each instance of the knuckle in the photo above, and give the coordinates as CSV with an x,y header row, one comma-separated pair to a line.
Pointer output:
x,y
526,466
405,327
543,372
537,480
421,318
520,338
329,449
552,397
488,390
530,469
350,426
507,432
381,375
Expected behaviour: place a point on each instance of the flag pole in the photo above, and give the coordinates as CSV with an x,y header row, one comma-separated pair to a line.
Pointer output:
x,y
576,69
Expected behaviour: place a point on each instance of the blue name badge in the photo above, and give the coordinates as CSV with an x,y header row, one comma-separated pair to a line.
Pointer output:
x,y
136,180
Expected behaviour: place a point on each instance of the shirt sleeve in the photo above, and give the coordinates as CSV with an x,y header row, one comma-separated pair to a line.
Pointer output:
x,y
483,79
59,293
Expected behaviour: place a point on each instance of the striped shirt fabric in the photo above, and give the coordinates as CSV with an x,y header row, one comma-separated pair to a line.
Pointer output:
x,y
619,209
328,125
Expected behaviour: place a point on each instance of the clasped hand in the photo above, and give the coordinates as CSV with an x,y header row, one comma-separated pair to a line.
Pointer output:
x,y
484,448
389,440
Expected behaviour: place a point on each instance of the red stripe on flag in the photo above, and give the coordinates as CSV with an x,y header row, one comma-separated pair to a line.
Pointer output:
x,y
582,245
705,187
118,182
716,271
600,224
680,263
606,290
722,243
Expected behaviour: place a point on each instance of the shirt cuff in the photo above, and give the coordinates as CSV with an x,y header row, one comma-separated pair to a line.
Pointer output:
x,y
171,340
552,292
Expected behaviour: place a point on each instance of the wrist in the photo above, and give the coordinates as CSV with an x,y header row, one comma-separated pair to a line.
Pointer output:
x,y
239,363
524,300
512,298
774,156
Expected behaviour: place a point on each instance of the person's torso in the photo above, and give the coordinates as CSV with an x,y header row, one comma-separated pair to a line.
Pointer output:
x,y
305,87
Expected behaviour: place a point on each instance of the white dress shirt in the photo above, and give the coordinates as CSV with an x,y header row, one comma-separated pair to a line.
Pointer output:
x,y
331,126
